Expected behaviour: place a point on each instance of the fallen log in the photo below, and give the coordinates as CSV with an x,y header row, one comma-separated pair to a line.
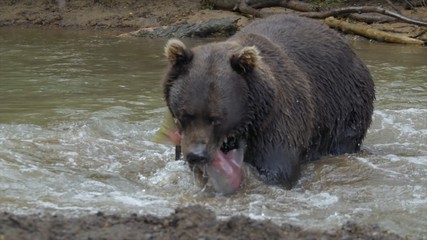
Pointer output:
x,y
232,5
250,7
364,9
210,28
291,4
307,10
372,33
371,18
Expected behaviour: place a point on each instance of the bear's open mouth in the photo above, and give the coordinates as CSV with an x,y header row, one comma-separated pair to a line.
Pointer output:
x,y
224,172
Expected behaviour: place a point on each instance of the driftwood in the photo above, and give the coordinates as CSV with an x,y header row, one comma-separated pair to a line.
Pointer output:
x,y
210,28
371,18
370,32
251,7
364,9
232,5
291,4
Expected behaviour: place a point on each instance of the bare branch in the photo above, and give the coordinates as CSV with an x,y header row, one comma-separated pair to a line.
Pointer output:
x,y
364,9
372,33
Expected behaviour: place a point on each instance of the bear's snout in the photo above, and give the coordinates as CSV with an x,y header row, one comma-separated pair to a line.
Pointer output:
x,y
197,153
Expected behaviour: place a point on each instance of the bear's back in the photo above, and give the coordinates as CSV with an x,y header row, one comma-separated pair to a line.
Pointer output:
x,y
340,81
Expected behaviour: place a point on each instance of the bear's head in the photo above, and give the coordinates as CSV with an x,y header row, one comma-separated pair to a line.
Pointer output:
x,y
207,92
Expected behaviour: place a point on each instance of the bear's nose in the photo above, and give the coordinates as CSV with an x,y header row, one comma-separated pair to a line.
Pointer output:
x,y
197,153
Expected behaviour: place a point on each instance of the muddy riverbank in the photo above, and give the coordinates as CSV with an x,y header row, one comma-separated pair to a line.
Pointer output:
x,y
130,15
118,15
186,223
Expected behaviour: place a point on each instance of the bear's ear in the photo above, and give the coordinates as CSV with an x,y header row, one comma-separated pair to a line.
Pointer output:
x,y
177,53
245,60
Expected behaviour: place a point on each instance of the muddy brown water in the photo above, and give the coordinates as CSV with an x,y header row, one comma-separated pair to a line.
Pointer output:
x,y
78,109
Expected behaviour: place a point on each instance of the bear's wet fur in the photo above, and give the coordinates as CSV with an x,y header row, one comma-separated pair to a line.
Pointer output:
x,y
290,88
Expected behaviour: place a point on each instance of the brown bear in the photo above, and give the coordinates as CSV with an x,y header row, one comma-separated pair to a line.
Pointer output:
x,y
284,90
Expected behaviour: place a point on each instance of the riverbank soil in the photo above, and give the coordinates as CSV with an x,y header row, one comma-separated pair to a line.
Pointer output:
x,y
130,15
187,223
98,14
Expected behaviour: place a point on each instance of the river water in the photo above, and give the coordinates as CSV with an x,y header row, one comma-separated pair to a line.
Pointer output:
x,y
78,109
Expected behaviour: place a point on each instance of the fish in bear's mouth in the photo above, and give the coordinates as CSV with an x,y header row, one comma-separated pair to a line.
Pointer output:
x,y
224,171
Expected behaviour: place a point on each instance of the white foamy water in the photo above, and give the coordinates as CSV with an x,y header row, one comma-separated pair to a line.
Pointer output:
x,y
77,113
